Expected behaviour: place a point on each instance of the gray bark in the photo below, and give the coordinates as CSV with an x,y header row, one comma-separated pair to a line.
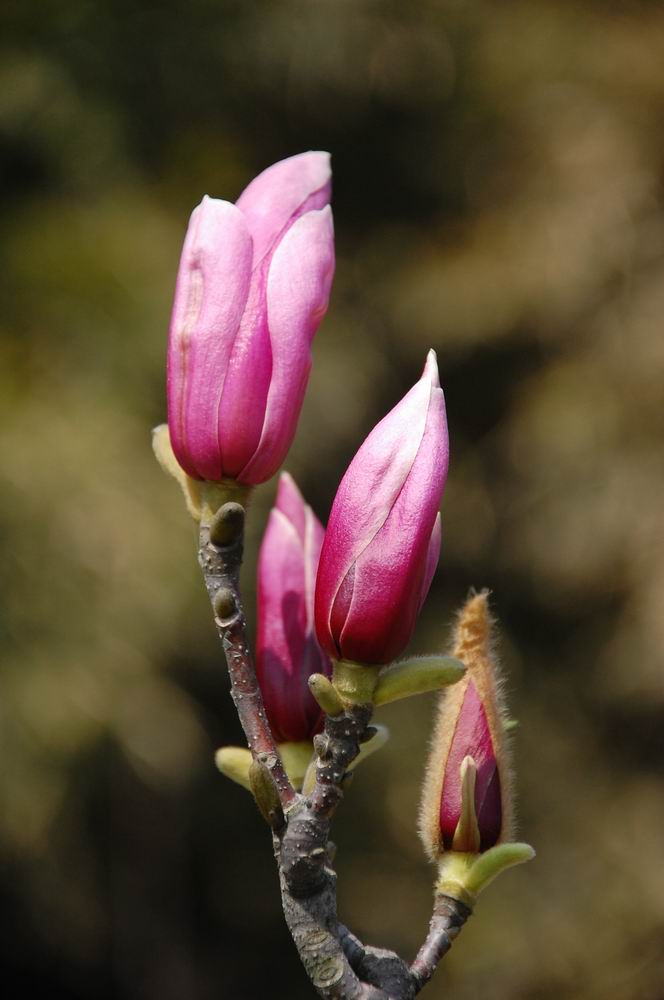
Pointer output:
x,y
339,966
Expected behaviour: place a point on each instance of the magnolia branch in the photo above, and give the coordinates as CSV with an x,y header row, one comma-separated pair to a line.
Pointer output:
x,y
220,551
449,916
337,963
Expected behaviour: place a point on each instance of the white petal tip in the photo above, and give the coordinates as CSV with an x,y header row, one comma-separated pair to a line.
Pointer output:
x,y
322,158
431,368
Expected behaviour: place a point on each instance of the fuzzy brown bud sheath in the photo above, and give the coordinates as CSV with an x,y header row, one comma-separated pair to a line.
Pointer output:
x,y
467,802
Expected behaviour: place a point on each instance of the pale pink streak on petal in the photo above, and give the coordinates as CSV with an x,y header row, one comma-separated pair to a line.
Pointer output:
x,y
210,296
281,193
287,652
433,555
281,621
298,289
246,386
314,533
242,413
291,503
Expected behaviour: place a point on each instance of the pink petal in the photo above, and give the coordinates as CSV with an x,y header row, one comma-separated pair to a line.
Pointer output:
x,y
210,296
314,533
298,289
380,527
287,651
246,385
390,572
286,190
291,504
472,737
433,555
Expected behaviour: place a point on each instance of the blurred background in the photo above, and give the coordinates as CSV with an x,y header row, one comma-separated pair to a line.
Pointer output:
x,y
498,196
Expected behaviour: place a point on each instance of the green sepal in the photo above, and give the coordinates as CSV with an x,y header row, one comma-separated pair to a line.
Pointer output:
x,y
203,499
235,762
191,488
416,676
464,875
296,758
215,495
494,861
354,682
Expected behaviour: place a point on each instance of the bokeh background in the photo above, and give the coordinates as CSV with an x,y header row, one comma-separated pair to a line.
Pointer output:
x,y
499,181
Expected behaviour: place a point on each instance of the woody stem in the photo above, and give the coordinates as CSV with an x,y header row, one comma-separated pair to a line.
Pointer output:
x,y
449,916
221,564
339,966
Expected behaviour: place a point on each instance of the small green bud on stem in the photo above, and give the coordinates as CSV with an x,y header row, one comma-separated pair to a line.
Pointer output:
x,y
325,694
265,792
225,605
227,524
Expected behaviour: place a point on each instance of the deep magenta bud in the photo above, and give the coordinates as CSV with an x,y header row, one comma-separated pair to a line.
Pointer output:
x,y
382,543
287,649
467,798
472,738
252,287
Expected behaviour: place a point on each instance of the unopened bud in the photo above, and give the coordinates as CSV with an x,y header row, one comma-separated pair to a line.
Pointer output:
x,y
466,810
227,524
468,748
224,605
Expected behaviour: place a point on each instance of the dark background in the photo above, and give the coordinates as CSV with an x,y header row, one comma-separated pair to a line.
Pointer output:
x,y
498,196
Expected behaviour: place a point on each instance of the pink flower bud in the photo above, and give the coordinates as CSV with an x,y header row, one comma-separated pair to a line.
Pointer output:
x,y
466,803
383,539
287,649
252,287
471,738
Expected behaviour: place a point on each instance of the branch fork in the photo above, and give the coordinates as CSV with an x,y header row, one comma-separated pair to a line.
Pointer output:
x,y
337,963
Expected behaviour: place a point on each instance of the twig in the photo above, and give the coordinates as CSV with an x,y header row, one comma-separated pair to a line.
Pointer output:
x,y
221,569
449,916
303,852
339,966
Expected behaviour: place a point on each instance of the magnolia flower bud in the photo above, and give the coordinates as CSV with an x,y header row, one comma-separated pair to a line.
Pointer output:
x,y
287,649
466,815
383,538
252,287
468,769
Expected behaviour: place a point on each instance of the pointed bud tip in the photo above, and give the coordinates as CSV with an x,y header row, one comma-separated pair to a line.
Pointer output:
x,y
287,490
431,368
321,160
474,626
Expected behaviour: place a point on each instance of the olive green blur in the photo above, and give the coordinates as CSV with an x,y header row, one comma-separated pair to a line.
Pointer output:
x,y
498,196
